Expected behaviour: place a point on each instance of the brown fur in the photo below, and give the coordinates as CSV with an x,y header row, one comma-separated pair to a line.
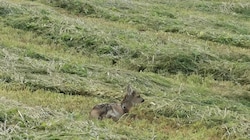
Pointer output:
x,y
116,110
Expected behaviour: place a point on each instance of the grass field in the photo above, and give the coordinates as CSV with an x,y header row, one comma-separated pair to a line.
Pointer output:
x,y
189,59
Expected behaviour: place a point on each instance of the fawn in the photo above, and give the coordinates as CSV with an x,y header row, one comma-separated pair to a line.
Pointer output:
x,y
116,110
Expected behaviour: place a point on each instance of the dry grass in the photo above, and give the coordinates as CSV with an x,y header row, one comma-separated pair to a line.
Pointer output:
x,y
59,58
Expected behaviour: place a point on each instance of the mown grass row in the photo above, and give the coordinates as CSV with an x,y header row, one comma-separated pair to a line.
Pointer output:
x,y
19,121
213,117
167,18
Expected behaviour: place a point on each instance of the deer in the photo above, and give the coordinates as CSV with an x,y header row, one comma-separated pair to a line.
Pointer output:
x,y
116,110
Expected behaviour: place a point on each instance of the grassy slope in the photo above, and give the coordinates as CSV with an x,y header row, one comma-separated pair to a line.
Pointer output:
x,y
190,60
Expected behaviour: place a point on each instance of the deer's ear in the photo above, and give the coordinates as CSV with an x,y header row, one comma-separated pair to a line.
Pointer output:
x,y
129,90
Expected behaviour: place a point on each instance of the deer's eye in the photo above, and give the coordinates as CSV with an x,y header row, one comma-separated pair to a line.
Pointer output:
x,y
123,107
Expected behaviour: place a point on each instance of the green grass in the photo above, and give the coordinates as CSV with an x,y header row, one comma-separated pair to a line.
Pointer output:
x,y
189,59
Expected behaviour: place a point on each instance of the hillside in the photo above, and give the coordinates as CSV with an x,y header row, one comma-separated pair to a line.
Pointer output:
x,y
189,59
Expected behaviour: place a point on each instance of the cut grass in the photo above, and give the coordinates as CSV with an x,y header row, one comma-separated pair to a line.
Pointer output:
x,y
71,118
86,39
189,60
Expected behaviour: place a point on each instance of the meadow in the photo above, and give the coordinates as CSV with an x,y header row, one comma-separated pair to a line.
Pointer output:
x,y
190,60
